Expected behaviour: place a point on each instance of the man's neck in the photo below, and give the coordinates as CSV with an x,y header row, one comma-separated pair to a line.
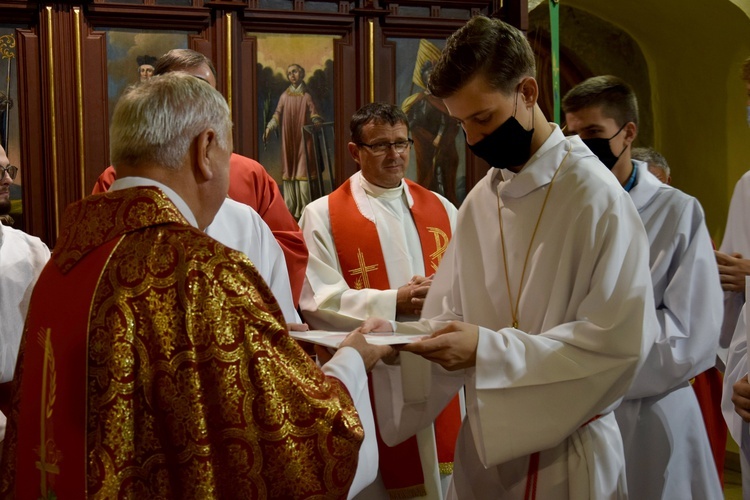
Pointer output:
x,y
623,168
542,130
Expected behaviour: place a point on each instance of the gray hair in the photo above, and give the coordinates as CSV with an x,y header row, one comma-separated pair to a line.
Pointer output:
x,y
652,157
157,120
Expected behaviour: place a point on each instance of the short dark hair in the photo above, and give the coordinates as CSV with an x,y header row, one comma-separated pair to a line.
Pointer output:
x,y
484,46
746,70
177,59
612,94
145,59
378,112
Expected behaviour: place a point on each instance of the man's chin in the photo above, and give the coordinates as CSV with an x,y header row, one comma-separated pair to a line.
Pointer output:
x,y
4,207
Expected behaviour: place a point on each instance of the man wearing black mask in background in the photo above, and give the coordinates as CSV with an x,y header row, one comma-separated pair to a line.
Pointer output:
x,y
667,453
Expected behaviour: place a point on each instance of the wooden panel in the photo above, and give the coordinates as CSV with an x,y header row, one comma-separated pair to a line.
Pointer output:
x,y
37,192
95,106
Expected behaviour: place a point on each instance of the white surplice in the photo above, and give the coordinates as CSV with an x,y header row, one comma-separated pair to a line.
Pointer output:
x,y
586,320
735,370
327,302
346,365
736,240
22,258
667,452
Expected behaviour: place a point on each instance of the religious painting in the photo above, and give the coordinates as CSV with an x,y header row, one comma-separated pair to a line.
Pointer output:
x,y
9,127
438,157
131,55
295,114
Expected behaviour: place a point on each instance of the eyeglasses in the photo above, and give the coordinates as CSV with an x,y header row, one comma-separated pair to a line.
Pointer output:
x,y
11,171
380,148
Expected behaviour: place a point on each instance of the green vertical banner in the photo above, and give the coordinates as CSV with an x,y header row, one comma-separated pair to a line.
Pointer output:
x,y
554,26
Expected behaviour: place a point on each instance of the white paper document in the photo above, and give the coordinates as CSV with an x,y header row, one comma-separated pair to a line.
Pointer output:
x,y
333,339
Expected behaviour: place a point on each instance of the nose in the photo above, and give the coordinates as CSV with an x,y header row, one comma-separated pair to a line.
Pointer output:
x,y
5,179
391,151
472,136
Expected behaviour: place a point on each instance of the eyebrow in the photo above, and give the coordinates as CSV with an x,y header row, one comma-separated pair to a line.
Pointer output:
x,y
473,115
588,128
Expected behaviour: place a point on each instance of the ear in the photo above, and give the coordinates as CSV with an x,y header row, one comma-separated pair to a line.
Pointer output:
x,y
205,143
529,91
354,151
631,132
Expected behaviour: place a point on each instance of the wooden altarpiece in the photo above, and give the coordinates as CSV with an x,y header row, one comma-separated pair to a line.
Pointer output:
x,y
64,89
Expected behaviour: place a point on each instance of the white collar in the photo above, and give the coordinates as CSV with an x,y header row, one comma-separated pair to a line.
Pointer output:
x,y
362,189
130,182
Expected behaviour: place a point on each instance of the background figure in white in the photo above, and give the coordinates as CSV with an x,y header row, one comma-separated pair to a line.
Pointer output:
x,y
22,258
656,162
667,452
734,267
295,109
734,253
379,198
550,259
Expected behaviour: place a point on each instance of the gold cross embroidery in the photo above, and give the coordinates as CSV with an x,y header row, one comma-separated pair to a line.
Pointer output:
x,y
47,463
363,281
441,243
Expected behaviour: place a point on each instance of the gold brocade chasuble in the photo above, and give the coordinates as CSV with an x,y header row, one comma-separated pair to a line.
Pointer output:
x,y
362,263
155,363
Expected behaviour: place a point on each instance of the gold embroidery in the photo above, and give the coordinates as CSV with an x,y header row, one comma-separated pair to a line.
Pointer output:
x,y
441,243
189,353
49,456
363,281
229,405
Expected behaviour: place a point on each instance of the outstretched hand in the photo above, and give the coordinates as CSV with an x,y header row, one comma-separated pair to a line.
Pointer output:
x,y
373,324
453,347
370,353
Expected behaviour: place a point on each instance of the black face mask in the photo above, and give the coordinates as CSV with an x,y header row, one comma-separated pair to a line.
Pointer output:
x,y
600,147
508,146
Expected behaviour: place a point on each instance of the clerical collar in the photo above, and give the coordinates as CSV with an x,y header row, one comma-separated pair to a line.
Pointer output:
x,y
298,90
632,180
381,192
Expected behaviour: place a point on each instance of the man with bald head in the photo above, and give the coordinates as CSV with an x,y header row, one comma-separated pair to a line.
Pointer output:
x,y
169,372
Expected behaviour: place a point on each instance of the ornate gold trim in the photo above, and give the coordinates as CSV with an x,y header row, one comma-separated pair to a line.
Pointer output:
x,y
53,115
79,101
371,69
228,18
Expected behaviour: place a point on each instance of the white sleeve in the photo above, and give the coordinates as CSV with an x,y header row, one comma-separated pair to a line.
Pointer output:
x,y
409,396
579,365
22,258
690,310
327,302
735,370
348,367
240,228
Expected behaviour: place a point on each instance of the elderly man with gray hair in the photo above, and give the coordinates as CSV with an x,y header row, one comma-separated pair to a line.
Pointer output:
x,y
168,372
657,164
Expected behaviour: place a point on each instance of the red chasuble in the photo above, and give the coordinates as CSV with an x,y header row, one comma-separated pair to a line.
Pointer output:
x,y
156,364
363,266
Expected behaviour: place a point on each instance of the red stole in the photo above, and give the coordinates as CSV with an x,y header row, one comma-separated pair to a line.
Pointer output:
x,y
51,459
363,266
